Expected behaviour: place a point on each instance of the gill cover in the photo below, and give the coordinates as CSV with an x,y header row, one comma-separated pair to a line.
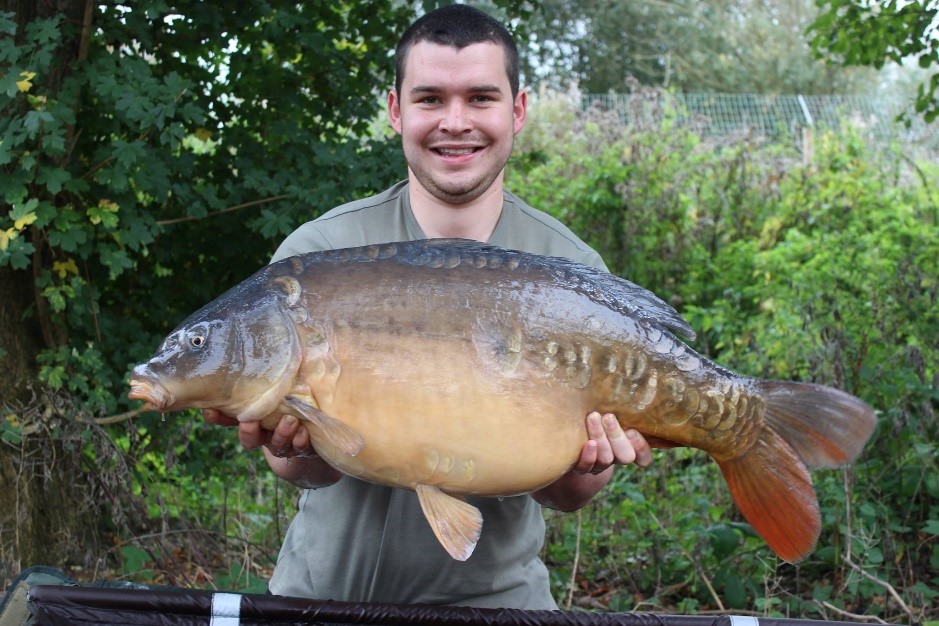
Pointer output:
x,y
239,353
270,351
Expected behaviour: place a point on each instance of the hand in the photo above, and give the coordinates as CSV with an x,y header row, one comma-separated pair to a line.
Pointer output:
x,y
608,445
288,439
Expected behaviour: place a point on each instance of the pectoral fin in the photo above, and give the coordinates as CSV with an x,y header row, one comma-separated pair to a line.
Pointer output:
x,y
663,444
456,523
344,437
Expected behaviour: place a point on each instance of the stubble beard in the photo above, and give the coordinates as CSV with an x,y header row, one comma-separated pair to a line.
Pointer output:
x,y
457,192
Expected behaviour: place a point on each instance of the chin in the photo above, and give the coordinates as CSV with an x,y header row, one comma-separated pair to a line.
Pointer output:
x,y
459,194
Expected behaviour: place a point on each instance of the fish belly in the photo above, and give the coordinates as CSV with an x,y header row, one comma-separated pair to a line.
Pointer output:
x,y
446,412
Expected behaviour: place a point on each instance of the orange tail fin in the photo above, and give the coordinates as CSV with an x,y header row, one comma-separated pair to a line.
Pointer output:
x,y
806,425
825,426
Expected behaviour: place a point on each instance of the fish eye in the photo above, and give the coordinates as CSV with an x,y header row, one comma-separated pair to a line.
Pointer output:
x,y
197,341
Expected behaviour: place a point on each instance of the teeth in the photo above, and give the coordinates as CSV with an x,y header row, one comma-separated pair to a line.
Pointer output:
x,y
455,151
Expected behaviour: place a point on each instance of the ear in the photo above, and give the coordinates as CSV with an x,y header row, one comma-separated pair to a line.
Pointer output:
x,y
519,111
394,111
289,287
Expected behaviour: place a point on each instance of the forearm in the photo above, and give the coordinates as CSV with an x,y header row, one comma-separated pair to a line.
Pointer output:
x,y
307,472
573,490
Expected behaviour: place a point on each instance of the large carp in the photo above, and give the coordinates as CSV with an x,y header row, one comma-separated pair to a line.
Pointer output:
x,y
454,368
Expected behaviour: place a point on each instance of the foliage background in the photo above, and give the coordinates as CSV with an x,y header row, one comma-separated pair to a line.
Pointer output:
x,y
819,270
152,156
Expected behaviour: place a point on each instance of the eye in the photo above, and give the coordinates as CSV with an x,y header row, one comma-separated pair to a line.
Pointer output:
x,y
197,341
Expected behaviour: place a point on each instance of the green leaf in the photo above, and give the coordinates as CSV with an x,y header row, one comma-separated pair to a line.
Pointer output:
x,y
924,590
7,24
34,120
22,210
821,591
18,254
53,178
734,591
272,224
8,81
9,435
105,214
116,260
134,559
128,153
724,540
70,239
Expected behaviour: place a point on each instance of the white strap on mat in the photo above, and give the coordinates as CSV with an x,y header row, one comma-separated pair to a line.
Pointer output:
x,y
226,609
744,620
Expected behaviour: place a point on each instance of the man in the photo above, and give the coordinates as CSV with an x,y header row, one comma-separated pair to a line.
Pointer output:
x,y
457,106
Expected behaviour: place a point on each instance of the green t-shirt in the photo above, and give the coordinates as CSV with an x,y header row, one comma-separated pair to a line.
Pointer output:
x,y
359,542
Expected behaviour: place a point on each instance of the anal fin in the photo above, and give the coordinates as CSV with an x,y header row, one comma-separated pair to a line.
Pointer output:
x,y
344,437
456,523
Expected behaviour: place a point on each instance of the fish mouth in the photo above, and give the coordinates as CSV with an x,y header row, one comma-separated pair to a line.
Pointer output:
x,y
157,398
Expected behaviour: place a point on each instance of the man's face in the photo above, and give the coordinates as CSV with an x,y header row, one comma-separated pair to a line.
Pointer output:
x,y
457,118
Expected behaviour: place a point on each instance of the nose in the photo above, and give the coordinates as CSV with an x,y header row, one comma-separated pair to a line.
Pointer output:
x,y
455,120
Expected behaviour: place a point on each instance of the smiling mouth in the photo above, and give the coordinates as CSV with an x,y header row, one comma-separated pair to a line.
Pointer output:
x,y
453,152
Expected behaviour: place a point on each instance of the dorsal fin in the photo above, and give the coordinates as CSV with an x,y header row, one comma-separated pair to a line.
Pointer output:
x,y
618,293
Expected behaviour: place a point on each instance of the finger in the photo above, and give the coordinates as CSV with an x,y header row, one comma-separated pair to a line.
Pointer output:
x,y
641,446
594,427
249,434
214,416
302,444
605,456
621,447
281,443
601,454
588,457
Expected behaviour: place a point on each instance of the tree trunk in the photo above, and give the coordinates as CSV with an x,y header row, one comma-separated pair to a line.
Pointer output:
x,y
20,338
44,485
41,521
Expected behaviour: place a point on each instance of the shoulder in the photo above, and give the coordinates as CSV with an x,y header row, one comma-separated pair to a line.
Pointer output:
x,y
355,223
531,230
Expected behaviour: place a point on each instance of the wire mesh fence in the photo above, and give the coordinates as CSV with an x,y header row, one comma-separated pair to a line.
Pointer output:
x,y
776,117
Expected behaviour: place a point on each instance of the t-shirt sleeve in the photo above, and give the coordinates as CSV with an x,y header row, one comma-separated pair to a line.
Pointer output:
x,y
307,238
593,259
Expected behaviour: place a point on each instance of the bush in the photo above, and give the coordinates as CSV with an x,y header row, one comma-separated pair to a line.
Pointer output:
x,y
820,272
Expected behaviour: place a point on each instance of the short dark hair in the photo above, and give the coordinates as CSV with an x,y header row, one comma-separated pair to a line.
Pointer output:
x,y
457,25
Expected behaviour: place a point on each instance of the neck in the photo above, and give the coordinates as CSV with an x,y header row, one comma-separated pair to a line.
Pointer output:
x,y
475,219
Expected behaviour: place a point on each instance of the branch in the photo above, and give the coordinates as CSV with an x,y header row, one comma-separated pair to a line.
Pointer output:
x,y
179,220
731,612
114,419
927,186
193,531
100,421
885,585
843,613
570,593
86,30
698,568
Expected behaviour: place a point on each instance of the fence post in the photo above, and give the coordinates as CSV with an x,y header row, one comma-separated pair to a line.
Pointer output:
x,y
808,135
